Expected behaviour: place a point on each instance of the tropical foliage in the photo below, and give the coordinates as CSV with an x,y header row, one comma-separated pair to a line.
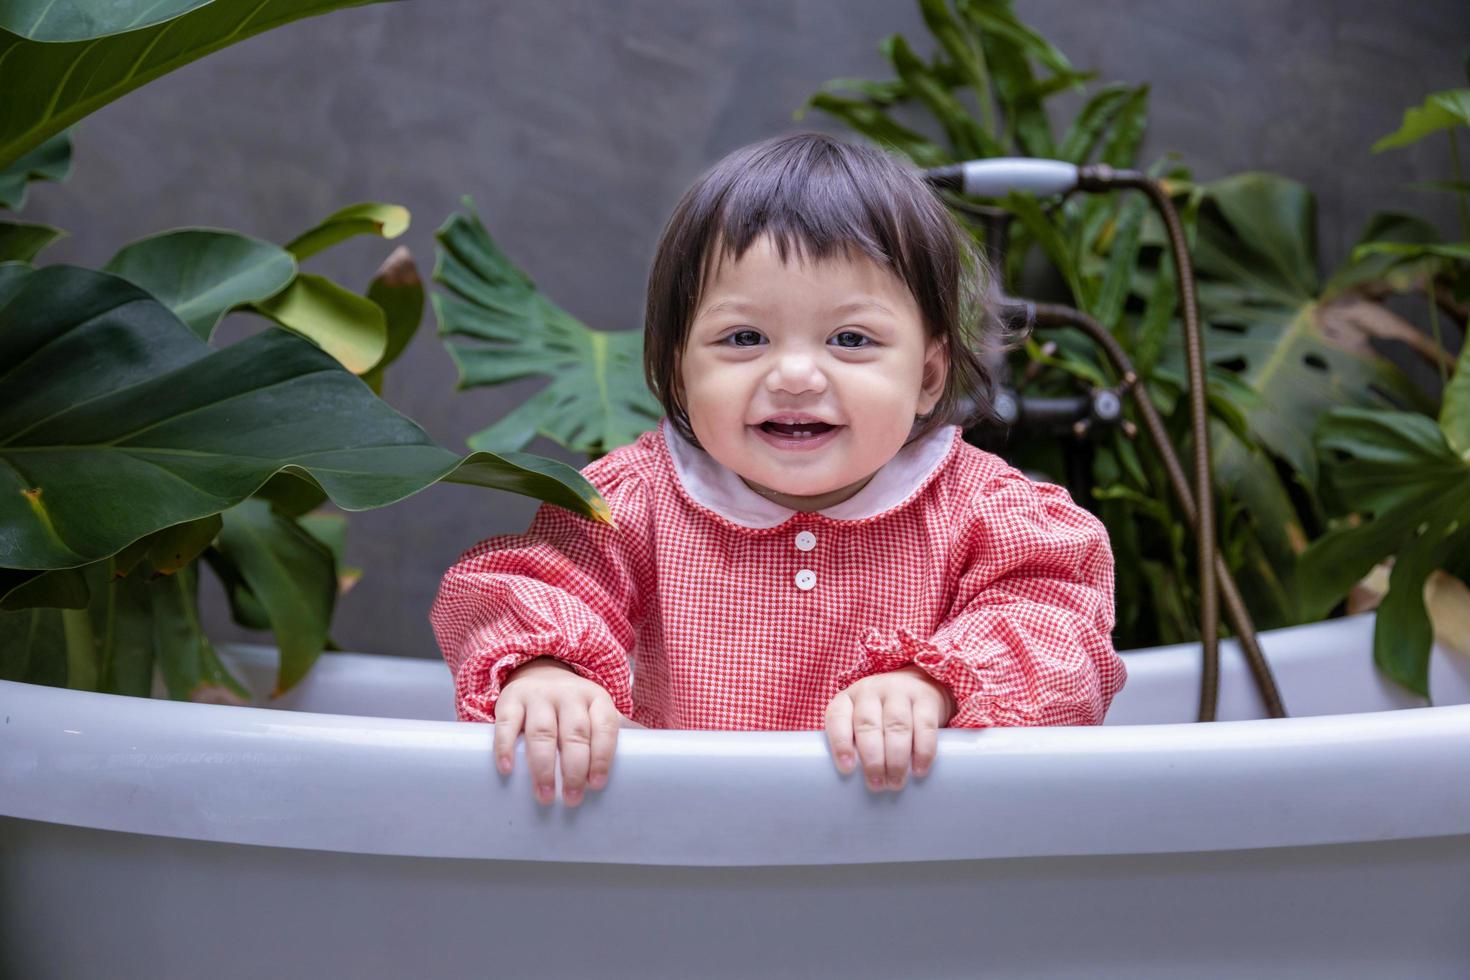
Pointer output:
x,y
132,451
1283,345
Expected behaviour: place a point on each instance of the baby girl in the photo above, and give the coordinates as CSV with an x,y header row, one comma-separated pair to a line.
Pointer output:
x,y
806,541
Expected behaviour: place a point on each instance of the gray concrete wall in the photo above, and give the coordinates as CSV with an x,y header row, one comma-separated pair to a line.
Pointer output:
x,y
576,124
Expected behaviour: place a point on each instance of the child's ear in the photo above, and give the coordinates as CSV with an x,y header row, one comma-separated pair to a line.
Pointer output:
x,y
936,370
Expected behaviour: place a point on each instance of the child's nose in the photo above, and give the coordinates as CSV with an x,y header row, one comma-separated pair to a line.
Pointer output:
x,y
796,372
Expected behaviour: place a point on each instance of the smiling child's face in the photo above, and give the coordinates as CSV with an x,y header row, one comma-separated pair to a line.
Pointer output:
x,y
805,378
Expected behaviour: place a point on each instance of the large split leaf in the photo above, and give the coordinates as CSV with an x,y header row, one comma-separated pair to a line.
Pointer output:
x,y
116,420
597,399
201,274
49,85
1257,263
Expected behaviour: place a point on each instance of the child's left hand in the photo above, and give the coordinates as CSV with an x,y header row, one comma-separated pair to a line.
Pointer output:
x,y
892,718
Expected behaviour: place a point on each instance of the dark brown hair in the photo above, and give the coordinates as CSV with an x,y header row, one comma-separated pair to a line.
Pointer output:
x,y
824,196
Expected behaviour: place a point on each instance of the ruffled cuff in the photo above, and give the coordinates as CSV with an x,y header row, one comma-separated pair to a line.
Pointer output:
x,y
883,651
480,687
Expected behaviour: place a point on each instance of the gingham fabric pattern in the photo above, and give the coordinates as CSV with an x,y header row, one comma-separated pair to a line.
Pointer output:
x,y
708,606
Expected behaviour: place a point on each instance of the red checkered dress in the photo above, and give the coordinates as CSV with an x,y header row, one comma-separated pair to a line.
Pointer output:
x,y
738,613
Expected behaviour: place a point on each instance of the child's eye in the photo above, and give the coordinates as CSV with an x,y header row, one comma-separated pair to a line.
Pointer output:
x,y
852,340
751,338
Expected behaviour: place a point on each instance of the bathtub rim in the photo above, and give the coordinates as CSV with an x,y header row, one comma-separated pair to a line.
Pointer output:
x,y
266,776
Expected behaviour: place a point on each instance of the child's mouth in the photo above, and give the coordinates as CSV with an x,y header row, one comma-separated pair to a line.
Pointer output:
x,y
797,435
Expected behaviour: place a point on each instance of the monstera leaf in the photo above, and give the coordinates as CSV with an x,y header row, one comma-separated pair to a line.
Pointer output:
x,y
1410,488
597,399
1299,353
116,421
56,66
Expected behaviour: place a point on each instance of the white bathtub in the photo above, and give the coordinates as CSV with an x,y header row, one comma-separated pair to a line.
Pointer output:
x,y
354,831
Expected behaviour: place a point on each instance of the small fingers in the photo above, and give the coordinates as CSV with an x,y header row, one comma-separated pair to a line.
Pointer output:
x,y
510,714
574,738
926,736
541,748
867,729
898,739
839,732
605,720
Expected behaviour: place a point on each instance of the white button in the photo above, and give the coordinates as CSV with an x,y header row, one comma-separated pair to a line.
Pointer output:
x,y
806,578
806,541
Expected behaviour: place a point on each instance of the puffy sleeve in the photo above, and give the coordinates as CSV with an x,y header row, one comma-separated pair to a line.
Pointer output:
x,y
567,588
1027,639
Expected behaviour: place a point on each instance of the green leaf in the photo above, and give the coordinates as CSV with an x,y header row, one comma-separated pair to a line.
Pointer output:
x,y
1441,110
1403,636
1256,260
967,138
1126,130
1396,471
1368,268
116,421
64,588
398,290
1092,121
1020,97
292,574
370,218
874,123
201,274
49,161
48,86
879,93
597,399
29,642
1050,238
1122,263
245,608
1459,251
22,243
78,20
290,495
349,327
1454,413
191,668
1452,186
964,53
998,18
174,547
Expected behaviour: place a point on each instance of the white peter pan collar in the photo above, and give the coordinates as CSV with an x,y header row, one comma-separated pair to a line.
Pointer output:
x,y
713,485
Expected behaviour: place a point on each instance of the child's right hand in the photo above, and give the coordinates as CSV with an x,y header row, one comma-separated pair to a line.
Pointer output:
x,y
558,709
